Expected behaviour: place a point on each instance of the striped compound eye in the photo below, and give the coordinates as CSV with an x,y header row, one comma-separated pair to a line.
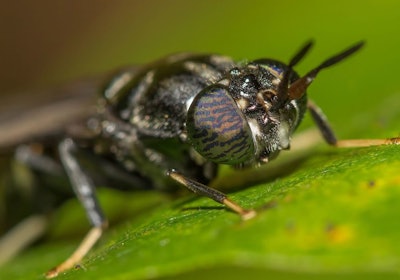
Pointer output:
x,y
217,129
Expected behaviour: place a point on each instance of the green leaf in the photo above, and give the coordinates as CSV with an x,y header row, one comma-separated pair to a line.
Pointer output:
x,y
335,214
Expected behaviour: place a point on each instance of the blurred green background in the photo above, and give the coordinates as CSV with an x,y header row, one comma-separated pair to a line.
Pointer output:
x,y
43,44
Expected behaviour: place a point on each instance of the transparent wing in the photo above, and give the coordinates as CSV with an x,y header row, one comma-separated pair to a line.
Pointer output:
x,y
25,116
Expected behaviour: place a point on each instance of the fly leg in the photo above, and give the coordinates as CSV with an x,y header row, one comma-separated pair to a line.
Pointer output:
x,y
34,226
37,160
85,191
329,136
214,194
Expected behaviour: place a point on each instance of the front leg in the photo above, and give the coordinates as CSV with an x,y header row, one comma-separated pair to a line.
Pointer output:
x,y
209,192
329,136
85,191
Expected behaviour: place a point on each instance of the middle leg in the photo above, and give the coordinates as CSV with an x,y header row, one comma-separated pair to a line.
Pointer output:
x,y
329,136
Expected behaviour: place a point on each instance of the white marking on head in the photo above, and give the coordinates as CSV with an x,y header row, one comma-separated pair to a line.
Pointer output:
x,y
284,135
255,132
243,103
189,102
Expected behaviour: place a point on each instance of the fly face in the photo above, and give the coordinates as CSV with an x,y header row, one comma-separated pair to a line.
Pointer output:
x,y
235,122
255,88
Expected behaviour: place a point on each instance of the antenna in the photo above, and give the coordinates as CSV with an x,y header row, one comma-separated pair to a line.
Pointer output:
x,y
284,84
298,88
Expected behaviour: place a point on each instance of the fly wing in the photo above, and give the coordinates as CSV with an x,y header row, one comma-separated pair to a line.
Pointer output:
x,y
28,116
38,115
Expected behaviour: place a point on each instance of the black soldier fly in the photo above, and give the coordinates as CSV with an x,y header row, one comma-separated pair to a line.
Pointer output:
x,y
172,122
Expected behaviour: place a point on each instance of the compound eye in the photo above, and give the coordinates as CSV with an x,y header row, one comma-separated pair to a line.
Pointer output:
x,y
217,129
